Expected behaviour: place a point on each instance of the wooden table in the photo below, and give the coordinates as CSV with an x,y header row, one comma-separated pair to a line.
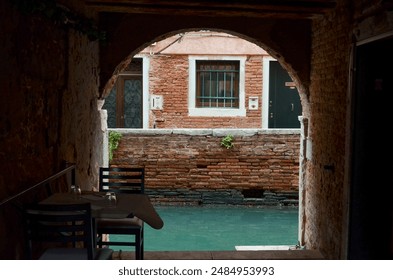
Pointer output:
x,y
128,205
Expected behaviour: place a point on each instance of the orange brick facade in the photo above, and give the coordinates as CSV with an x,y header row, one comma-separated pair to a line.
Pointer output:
x,y
169,77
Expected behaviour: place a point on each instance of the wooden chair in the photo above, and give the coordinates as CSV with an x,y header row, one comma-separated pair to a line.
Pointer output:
x,y
122,180
62,232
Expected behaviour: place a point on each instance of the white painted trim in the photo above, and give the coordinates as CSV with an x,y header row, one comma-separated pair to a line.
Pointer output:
x,y
208,131
145,89
265,247
216,112
146,103
265,91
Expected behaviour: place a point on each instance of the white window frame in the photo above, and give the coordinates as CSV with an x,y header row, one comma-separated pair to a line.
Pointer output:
x,y
145,85
265,91
193,111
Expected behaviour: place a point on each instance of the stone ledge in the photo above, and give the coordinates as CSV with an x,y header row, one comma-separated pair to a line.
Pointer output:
x,y
213,132
224,255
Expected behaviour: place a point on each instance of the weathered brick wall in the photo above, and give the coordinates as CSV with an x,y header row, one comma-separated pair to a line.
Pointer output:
x,y
169,77
49,84
29,138
326,186
329,85
192,166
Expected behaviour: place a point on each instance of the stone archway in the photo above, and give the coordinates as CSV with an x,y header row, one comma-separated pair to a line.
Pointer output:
x,y
123,64
287,40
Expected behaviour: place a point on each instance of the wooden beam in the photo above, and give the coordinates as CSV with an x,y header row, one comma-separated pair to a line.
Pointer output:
x,y
244,8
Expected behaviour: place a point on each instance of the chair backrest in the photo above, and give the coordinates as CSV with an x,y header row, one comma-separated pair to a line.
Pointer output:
x,y
122,179
59,225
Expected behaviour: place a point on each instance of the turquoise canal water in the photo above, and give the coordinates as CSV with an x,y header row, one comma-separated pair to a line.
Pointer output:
x,y
214,228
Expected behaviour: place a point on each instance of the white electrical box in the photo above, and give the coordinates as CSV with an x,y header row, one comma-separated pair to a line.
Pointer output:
x,y
156,102
253,103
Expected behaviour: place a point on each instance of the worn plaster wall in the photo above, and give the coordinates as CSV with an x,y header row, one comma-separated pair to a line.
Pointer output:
x,y
82,130
48,113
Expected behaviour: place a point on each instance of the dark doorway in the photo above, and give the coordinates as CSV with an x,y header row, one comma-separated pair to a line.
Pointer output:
x,y
284,99
371,218
124,104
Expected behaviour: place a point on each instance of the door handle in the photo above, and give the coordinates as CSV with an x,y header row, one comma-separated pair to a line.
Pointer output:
x,y
292,107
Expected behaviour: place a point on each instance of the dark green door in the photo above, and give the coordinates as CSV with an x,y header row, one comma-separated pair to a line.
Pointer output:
x,y
284,100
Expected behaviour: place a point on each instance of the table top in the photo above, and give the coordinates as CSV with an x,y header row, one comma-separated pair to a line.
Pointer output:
x,y
127,205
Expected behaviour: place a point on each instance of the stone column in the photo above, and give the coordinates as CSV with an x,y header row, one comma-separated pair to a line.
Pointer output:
x,y
302,177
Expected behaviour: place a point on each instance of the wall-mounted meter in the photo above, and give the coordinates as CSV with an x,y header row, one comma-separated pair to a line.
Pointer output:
x,y
156,102
253,103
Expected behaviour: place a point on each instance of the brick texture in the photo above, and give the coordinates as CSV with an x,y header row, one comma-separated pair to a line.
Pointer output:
x,y
169,77
175,161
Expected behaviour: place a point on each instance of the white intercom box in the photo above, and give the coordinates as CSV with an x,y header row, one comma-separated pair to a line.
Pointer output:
x,y
253,103
156,102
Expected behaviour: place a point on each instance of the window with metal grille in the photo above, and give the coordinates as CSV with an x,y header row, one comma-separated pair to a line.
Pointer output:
x,y
217,84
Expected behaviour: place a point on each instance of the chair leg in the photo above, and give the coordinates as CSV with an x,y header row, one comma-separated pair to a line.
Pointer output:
x,y
139,244
138,248
142,245
99,240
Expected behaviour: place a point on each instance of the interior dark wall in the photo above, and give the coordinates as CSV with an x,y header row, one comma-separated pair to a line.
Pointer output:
x,y
48,113
372,181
